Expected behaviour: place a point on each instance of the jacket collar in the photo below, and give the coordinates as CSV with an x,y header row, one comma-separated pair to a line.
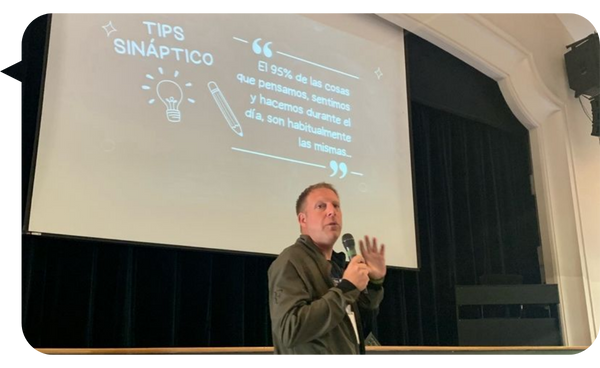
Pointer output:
x,y
338,258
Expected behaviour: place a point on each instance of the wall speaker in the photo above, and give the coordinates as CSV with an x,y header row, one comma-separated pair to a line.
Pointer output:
x,y
583,66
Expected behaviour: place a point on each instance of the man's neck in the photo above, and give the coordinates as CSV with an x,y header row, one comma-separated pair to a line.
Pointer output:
x,y
327,250
326,253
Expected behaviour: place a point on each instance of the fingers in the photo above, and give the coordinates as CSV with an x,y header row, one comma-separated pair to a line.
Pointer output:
x,y
357,259
358,262
365,247
369,246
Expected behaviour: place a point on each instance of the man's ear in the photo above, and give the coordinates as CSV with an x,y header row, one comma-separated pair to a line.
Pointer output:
x,y
301,218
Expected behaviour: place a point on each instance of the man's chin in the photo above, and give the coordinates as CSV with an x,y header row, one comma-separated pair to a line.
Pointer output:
x,y
334,236
328,237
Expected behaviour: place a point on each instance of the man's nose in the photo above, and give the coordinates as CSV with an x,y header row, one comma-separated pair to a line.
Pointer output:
x,y
331,211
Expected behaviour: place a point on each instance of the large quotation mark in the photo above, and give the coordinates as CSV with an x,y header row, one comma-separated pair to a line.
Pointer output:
x,y
335,166
258,49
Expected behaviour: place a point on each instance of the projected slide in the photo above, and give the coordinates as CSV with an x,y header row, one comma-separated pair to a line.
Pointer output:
x,y
202,130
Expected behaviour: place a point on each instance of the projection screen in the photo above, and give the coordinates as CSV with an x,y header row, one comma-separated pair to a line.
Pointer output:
x,y
201,130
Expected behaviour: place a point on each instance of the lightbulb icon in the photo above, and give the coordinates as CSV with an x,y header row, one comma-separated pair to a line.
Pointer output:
x,y
171,95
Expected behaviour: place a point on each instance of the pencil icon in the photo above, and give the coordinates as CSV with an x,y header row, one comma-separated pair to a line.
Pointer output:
x,y
225,108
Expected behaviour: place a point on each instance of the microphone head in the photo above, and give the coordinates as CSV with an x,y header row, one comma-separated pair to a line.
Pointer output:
x,y
348,240
349,246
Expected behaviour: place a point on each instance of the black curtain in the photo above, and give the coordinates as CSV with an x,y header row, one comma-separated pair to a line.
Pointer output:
x,y
475,216
79,293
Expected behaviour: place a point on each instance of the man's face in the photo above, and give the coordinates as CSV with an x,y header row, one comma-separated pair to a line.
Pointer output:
x,y
321,218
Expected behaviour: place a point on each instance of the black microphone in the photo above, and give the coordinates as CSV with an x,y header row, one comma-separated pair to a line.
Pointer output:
x,y
349,246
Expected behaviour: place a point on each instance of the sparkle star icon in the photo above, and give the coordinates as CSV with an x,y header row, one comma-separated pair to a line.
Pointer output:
x,y
378,73
109,28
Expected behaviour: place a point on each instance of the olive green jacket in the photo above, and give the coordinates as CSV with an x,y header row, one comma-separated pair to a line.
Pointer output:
x,y
308,313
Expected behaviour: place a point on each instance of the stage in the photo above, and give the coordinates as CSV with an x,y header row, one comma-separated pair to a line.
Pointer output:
x,y
372,352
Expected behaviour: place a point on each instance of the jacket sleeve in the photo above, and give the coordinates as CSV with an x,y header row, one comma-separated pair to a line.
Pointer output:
x,y
297,318
372,299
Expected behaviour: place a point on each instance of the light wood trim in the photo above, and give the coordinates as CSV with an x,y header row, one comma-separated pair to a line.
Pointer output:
x,y
269,349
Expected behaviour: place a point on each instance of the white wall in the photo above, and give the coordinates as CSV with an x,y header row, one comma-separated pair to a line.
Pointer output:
x,y
545,37
524,53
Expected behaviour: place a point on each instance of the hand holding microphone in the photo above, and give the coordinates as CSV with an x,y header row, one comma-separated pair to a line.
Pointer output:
x,y
357,273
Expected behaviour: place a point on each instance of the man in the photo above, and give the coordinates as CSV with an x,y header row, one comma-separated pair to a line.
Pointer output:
x,y
314,303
